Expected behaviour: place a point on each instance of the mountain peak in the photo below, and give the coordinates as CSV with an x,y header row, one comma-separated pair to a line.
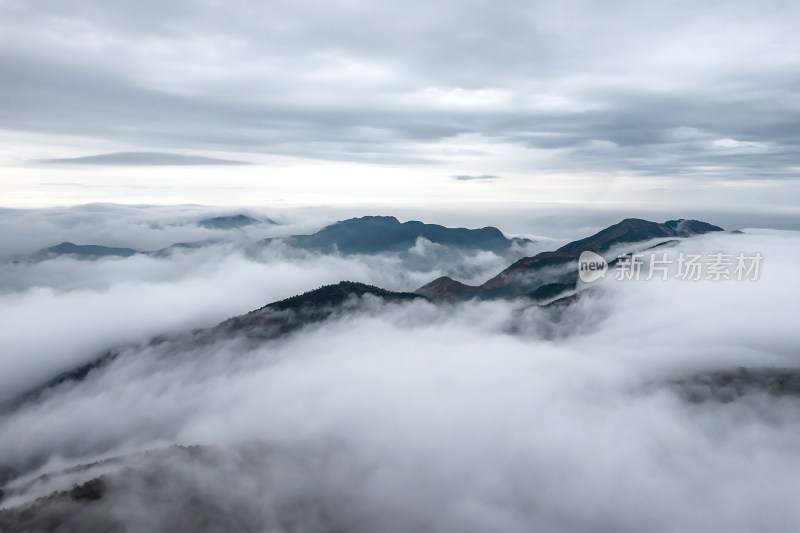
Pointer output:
x,y
445,287
231,222
311,306
336,294
636,230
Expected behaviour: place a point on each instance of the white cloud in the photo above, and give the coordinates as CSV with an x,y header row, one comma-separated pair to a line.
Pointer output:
x,y
482,415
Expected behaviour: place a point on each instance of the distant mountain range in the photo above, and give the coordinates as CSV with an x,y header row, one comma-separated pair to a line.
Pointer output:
x,y
364,235
81,251
377,234
543,277
96,251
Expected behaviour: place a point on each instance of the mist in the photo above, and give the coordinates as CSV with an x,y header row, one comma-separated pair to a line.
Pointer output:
x,y
470,416
88,306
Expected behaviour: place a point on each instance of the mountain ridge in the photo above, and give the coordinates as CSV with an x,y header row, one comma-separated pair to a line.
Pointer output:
x,y
290,314
508,281
271,321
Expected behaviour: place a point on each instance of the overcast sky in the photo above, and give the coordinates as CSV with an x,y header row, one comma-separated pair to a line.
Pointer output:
x,y
344,101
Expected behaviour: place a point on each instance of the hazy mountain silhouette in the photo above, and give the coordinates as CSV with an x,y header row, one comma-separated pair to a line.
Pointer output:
x,y
269,322
232,222
376,234
82,251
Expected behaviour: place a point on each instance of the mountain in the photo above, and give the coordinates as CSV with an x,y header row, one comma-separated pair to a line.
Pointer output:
x,y
444,288
82,251
231,222
272,321
365,235
334,295
90,252
376,234
636,230
285,316
530,275
542,277
94,251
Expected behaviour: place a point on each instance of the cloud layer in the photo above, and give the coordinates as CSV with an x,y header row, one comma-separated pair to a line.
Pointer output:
x,y
696,90
91,305
471,417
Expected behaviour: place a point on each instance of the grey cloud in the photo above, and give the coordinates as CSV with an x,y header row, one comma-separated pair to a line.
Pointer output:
x,y
298,80
143,159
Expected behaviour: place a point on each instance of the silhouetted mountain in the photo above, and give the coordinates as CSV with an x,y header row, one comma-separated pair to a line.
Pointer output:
x,y
525,277
269,322
730,385
630,230
231,222
375,234
332,295
528,274
82,251
636,230
284,316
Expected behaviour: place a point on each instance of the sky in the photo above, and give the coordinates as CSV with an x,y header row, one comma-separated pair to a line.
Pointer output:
x,y
575,103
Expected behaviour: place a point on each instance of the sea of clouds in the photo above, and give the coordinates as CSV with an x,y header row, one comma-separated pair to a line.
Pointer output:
x,y
473,416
